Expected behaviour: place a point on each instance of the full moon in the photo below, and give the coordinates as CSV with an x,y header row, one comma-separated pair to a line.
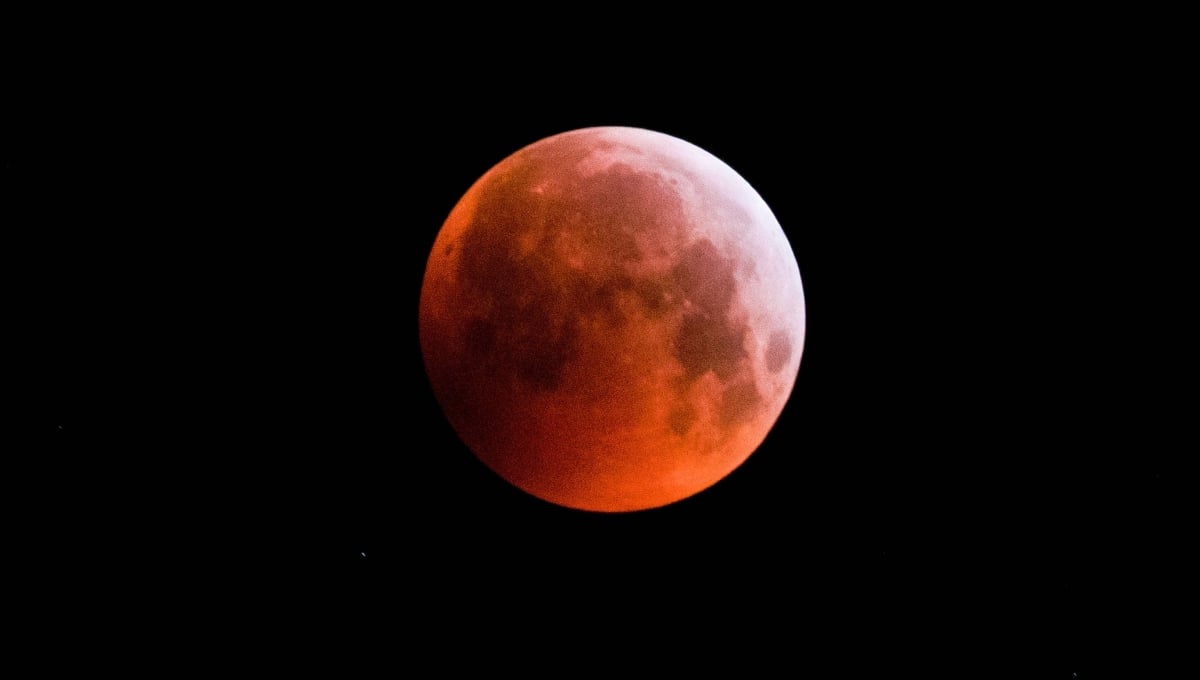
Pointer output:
x,y
612,319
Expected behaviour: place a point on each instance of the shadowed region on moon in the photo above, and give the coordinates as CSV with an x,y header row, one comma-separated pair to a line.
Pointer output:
x,y
707,339
739,402
542,262
682,417
779,350
611,319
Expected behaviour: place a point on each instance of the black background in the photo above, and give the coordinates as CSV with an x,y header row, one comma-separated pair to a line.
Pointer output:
x,y
220,240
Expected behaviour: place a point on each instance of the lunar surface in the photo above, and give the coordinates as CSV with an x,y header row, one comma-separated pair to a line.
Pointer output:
x,y
612,319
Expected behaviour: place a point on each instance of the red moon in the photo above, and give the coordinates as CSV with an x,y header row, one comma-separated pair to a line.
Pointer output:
x,y
612,319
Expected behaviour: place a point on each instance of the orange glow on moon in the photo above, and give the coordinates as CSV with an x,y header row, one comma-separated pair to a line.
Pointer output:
x,y
612,319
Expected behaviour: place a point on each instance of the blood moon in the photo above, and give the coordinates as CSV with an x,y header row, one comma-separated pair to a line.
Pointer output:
x,y
612,319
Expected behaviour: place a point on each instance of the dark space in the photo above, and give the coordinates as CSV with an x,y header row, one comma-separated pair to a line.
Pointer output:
x,y
220,261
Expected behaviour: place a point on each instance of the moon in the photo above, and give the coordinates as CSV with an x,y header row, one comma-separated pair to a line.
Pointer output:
x,y
612,319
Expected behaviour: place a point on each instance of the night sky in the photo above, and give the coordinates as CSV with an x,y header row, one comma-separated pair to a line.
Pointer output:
x,y
225,259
